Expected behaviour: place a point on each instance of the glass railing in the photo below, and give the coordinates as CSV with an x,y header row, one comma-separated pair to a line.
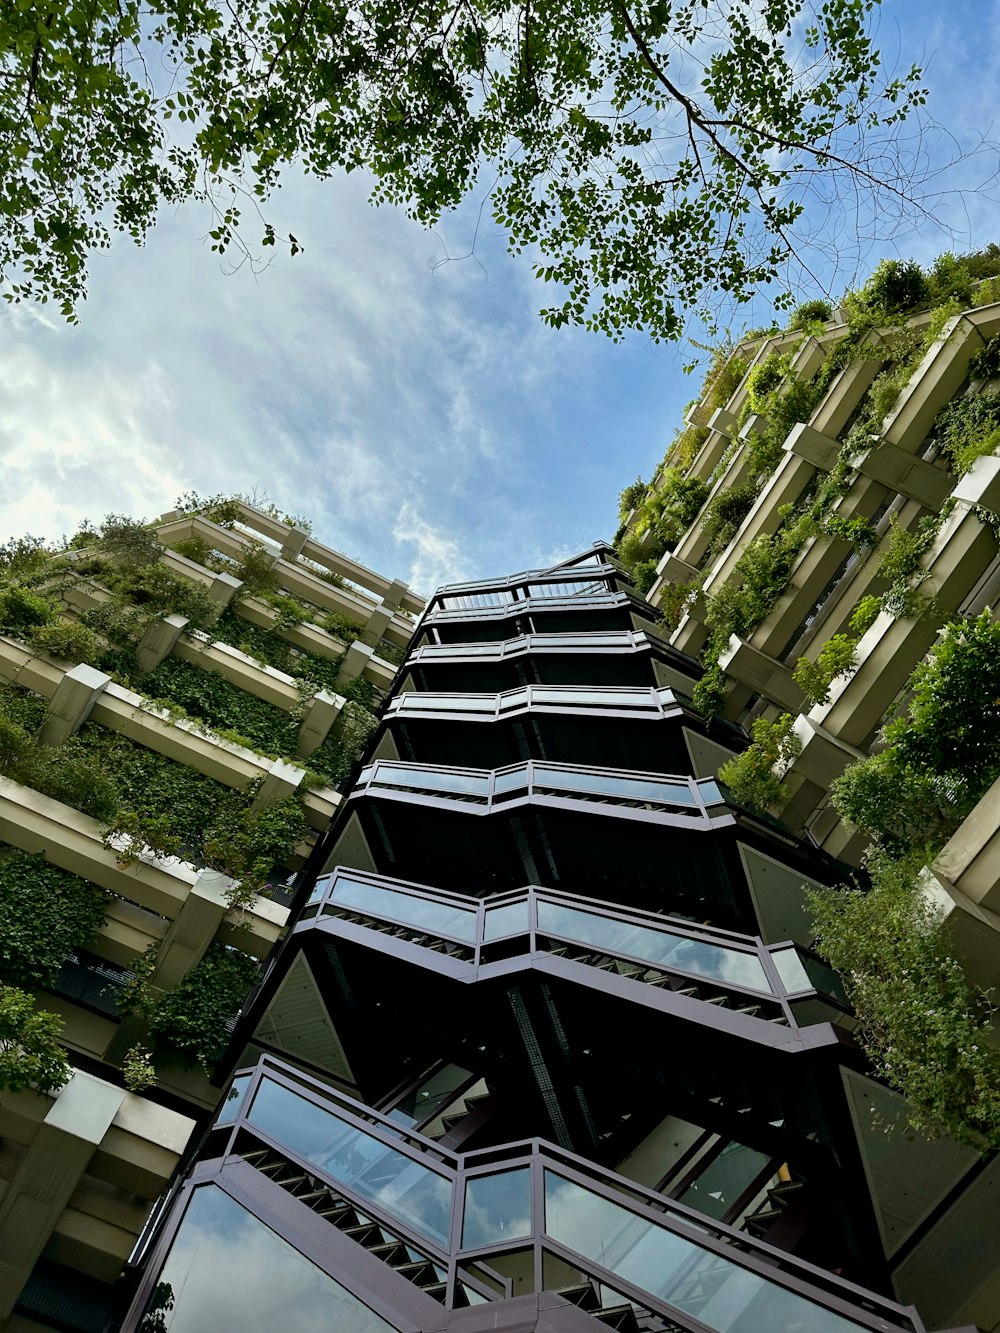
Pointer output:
x,y
664,1257
493,606
562,698
356,1159
681,795
618,640
539,921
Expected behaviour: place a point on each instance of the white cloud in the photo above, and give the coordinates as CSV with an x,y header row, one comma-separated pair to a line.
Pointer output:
x,y
439,558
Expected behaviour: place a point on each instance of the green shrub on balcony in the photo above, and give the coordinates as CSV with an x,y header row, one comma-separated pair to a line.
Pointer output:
x,y
192,1018
45,913
750,776
22,610
927,1030
30,1054
67,641
941,754
969,428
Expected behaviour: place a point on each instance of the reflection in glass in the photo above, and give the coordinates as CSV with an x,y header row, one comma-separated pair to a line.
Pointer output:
x,y
229,1273
515,779
612,935
362,1163
659,791
800,971
233,1100
509,920
721,1294
397,905
497,1208
431,779
427,1098
725,1179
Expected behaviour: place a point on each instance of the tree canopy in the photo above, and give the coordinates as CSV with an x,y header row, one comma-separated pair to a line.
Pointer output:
x,y
651,155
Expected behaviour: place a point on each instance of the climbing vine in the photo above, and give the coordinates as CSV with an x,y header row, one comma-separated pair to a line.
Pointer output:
x,y
45,913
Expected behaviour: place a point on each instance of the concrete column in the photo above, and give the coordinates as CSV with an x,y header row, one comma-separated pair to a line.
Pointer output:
x,y
378,622
935,382
193,929
49,1173
973,930
981,484
970,859
291,546
811,445
821,758
784,486
281,781
891,648
223,589
72,703
354,662
764,675
159,640
709,455
726,423
394,594
903,473
321,713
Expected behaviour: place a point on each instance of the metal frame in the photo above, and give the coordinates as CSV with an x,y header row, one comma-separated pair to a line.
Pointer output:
x,y
866,1310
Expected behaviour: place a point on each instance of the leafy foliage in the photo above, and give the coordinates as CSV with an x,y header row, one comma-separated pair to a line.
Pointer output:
x,y
968,428
192,1017
836,657
630,497
22,610
45,912
30,1054
67,640
896,287
652,156
811,312
750,776
927,1030
137,1069
941,754
985,364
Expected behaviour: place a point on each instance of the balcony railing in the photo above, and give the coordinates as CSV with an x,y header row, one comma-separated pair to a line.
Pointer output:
x,y
502,650
464,1211
622,701
515,583
644,795
778,982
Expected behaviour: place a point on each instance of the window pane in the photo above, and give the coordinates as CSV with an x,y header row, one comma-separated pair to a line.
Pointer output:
x,y
424,913
509,920
656,946
229,1108
724,1296
724,1179
228,1272
497,1208
359,1161
423,1101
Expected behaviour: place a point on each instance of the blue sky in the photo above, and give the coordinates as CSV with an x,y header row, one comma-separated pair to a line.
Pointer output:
x,y
421,416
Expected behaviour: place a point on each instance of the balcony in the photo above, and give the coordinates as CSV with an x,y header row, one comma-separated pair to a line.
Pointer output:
x,y
480,1226
612,726
666,963
632,795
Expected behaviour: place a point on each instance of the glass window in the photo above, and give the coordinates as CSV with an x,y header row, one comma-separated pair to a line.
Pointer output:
x,y
512,919
800,971
497,1208
722,1295
431,779
425,1100
230,1105
726,1177
615,785
398,905
512,780
228,1272
366,1166
613,935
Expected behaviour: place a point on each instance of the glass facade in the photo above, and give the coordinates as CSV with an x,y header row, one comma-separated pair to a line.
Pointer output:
x,y
229,1273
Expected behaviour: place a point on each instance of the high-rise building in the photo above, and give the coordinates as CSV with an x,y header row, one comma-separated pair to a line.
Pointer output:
x,y
546,1047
